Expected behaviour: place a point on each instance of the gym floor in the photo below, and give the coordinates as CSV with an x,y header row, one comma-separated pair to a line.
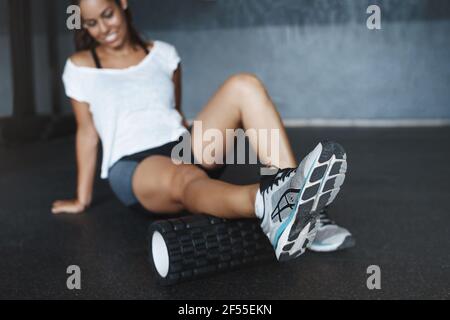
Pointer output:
x,y
395,201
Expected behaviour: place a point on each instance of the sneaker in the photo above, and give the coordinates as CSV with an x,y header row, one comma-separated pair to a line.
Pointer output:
x,y
288,203
330,237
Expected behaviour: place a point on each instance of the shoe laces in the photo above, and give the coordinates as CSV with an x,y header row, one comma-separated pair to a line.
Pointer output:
x,y
324,219
280,176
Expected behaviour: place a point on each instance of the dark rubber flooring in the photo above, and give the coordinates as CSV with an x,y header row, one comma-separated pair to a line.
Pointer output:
x,y
396,201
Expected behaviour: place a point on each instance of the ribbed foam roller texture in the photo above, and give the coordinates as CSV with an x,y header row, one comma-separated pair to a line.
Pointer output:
x,y
203,245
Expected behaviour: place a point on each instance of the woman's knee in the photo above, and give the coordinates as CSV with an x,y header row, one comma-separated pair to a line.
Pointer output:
x,y
250,92
183,176
245,83
152,183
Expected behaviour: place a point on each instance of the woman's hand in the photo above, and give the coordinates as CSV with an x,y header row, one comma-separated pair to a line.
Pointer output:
x,y
68,206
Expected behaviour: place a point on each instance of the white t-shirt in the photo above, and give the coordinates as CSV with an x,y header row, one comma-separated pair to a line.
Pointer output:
x,y
133,108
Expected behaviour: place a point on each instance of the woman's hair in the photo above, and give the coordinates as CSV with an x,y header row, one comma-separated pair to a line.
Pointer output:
x,y
84,41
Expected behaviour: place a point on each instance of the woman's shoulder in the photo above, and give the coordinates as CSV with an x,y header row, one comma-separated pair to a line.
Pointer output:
x,y
82,59
165,46
150,44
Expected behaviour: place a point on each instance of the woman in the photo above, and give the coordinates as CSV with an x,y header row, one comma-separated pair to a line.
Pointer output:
x,y
127,93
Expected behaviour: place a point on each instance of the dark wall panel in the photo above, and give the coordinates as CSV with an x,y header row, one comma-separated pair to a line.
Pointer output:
x,y
6,93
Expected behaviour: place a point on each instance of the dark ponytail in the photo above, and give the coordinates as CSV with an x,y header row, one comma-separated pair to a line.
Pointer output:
x,y
84,41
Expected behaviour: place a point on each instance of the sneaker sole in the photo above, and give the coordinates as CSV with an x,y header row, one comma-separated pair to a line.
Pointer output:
x,y
349,242
324,180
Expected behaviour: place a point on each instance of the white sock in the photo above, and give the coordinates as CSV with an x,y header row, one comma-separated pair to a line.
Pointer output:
x,y
259,210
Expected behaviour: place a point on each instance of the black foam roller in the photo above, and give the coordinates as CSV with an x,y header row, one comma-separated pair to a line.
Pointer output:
x,y
194,246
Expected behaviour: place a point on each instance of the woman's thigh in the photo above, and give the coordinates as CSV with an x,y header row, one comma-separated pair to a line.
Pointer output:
x,y
222,112
236,104
152,185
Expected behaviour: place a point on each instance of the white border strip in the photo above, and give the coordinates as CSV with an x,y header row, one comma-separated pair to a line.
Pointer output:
x,y
363,123
367,123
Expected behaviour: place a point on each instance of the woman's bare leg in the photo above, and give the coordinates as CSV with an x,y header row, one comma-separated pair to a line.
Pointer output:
x,y
243,102
164,187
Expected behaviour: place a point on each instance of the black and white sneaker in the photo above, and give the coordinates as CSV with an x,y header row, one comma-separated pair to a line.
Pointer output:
x,y
331,237
288,203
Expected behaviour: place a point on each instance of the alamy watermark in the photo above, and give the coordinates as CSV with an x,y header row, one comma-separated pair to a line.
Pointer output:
x,y
74,280
374,280
207,147
374,20
73,21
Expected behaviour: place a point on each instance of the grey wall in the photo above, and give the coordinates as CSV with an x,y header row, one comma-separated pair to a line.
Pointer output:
x,y
6,100
317,58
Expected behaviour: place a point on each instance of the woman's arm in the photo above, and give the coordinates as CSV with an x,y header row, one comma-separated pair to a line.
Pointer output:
x,y
177,77
87,148
86,155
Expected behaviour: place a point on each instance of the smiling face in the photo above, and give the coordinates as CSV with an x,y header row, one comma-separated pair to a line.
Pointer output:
x,y
105,21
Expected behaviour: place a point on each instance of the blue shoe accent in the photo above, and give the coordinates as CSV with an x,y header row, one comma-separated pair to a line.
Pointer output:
x,y
292,214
